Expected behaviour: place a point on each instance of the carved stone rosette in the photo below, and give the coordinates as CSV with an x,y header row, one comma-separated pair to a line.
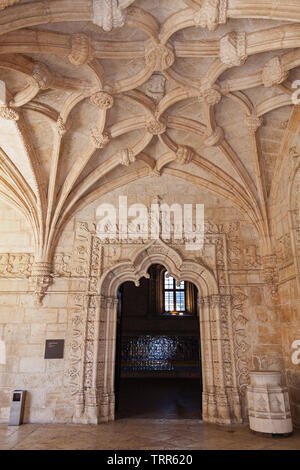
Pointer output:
x,y
81,49
155,127
159,57
102,100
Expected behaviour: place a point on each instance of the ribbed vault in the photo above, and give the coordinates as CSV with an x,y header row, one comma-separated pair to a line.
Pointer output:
x,y
98,93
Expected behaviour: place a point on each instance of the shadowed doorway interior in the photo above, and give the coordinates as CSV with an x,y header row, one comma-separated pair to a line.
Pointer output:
x,y
158,361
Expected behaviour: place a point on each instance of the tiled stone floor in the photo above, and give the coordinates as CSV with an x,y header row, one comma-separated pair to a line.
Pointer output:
x,y
140,434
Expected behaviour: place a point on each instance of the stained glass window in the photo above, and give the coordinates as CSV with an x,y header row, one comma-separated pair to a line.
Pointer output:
x,y
174,295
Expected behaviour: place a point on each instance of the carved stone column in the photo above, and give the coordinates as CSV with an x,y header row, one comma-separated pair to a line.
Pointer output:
x,y
221,400
218,348
91,358
209,407
106,369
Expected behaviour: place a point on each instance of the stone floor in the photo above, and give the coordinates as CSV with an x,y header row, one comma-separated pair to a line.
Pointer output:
x,y
159,398
138,434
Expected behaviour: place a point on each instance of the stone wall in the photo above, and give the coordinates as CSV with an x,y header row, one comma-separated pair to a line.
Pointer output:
x,y
285,212
232,253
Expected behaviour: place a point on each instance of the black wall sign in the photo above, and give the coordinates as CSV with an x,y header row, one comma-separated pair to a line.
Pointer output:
x,y
54,349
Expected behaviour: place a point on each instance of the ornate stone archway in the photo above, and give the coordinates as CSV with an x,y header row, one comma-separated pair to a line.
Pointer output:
x,y
295,219
220,399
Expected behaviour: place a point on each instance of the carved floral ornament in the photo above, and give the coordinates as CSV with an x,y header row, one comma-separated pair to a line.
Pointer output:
x,y
155,126
159,56
8,113
102,100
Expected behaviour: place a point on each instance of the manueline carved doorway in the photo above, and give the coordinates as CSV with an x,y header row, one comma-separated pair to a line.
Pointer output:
x,y
221,398
158,360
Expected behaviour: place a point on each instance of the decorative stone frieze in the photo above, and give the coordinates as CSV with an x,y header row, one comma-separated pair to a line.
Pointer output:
x,y
270,273
14,265
273,73
233,49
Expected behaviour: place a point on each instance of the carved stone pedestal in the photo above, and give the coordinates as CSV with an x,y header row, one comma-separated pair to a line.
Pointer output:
x,y
268,402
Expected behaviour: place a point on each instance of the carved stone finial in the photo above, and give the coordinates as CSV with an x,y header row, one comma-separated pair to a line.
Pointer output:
x,y
210,96
273,73
126,156
184,154
216,138
155,127
108,14
42,75
253,123
102,100
81,49
7,3
212,14
100,139
159,57
233,49
8,113
40,280
62,126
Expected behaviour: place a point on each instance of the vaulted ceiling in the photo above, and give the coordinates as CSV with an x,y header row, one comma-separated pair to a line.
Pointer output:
x,y
98,93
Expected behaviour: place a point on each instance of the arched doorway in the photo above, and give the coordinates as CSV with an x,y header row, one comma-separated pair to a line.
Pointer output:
x,y
220,398
158,359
